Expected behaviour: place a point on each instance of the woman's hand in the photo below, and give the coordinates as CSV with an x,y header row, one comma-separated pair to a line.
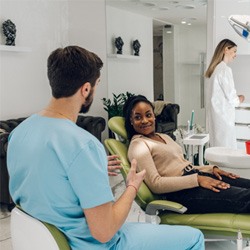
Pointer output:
x,y
212,184
133,178
113,164
219,172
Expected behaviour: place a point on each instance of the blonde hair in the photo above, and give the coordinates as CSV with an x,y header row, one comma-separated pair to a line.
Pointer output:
x,y
219,55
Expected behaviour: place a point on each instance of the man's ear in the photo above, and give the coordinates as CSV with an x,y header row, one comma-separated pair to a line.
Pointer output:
x,y
85,89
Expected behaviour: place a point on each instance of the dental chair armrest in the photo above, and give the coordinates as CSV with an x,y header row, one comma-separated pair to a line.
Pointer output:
x,y
154,206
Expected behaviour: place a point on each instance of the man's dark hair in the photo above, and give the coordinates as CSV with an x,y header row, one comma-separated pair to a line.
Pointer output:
x,y
127,111
69,68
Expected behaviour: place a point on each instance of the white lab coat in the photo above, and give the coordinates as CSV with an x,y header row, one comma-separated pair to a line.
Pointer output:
x,y
221,100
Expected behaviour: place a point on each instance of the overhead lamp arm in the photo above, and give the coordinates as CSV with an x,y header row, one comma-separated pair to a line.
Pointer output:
x,y
241,25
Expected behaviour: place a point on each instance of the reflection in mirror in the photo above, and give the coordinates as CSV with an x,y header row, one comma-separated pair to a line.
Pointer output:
x,y
173,45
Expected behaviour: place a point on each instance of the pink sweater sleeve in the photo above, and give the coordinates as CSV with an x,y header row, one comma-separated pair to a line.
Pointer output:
x,y
140,151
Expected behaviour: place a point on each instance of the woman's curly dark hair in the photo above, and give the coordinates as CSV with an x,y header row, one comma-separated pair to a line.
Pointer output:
x,y
127,111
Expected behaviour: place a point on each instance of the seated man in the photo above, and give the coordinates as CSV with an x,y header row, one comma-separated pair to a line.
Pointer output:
x,y
58,171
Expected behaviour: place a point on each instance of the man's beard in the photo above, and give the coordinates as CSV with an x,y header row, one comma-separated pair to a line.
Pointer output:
x,y
86,106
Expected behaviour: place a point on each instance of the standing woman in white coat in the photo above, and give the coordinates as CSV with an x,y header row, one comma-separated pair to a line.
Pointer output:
x,y
221,97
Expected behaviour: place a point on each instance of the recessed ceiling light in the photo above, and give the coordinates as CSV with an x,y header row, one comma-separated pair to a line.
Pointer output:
x,y
149,4
163,8
173,2
188,20
187,7
191,18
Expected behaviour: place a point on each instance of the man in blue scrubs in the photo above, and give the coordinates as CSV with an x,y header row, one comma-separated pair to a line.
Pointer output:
x,y
58,171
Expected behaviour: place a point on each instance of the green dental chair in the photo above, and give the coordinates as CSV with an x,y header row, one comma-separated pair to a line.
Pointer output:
x,y
213,225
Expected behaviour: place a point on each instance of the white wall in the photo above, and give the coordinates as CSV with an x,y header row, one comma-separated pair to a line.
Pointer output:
x,y
87,28
158,66
41,26
182,73
189,72
169,64
133,75
241,73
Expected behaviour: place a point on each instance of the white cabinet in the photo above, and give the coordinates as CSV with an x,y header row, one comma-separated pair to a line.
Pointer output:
x,y
242,124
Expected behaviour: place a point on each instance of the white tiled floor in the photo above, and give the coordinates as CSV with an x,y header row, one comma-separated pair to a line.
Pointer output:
x,y
5,241
136,214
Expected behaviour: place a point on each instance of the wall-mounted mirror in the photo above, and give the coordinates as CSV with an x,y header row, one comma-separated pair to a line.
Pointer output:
x,y
173,38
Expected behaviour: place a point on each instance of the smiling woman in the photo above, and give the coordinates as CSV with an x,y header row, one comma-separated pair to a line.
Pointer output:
x,y
174,178
143,120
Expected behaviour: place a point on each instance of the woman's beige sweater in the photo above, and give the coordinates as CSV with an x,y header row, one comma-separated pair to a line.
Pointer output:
x,y
164,163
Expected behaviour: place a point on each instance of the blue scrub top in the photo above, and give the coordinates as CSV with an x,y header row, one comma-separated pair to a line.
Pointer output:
x,y
57,169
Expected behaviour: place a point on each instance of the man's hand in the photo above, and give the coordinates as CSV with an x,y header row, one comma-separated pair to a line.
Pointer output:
x,y
113,165
133,178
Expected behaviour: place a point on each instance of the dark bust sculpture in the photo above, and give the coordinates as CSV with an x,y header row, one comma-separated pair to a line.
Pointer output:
x,y
9,30
136,47
118,44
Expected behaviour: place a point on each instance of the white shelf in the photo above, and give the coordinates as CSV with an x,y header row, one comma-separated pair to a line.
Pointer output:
x,y
121,56
14,48
196,139
243,106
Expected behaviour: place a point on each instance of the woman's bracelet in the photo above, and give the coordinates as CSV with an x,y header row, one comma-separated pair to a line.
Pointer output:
x,y
130,185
